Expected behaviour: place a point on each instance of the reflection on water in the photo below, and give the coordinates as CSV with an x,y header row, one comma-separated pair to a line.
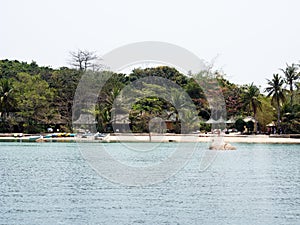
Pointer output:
x,y
50,183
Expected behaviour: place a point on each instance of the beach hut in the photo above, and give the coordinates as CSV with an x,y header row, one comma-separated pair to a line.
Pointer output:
x,y
230,121
86,122
218,121
272,124
216,125
271,128
121,123
249,118
211,121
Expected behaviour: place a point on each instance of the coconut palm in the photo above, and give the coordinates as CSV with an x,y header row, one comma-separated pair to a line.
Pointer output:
x,y
6,98
251,99
275,90
291,76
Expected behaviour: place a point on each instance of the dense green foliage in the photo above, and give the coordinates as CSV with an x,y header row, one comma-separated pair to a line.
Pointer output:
x,y
33,98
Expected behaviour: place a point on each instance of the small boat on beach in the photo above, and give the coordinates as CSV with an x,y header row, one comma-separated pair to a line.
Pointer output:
x,y
35,138
95,136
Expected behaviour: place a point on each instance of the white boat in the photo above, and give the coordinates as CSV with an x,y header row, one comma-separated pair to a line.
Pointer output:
x,y
34,138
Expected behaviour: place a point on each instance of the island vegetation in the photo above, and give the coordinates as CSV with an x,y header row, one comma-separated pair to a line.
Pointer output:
x,y
34,98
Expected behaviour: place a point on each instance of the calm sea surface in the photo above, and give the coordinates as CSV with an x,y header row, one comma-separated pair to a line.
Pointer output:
x,y
51,183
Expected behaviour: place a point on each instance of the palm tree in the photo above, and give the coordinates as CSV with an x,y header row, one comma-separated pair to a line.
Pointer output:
x,y
6,99
291,75
275,90
179,103
251,99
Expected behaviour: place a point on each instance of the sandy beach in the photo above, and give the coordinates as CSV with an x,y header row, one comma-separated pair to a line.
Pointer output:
x,y
125,137
205,138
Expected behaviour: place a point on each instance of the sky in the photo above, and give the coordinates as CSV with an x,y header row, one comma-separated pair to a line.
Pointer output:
x,y
248,40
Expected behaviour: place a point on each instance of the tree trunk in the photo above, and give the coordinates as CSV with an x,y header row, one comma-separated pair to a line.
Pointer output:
x,y
254,114
292,94
278,115
255,124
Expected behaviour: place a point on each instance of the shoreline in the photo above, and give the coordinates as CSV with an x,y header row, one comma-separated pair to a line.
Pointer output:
x,y
120,137
231,138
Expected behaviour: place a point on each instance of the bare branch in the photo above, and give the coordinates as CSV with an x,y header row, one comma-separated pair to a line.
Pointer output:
x,y
82,59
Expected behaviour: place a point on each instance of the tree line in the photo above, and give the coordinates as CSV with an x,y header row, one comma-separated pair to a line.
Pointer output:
x,y
33,98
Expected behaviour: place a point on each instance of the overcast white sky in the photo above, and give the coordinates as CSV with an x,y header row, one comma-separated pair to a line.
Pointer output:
x,y
252,38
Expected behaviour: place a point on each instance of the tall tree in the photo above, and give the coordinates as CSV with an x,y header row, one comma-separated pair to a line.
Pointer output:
x,y
33,99
83,59
6,97
64,83
252,101
275,90
291,76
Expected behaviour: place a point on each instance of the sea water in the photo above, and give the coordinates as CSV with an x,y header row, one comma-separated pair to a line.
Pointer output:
x,y
52,183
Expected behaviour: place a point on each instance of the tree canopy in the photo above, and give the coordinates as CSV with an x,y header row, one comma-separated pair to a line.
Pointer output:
x,y
33,98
